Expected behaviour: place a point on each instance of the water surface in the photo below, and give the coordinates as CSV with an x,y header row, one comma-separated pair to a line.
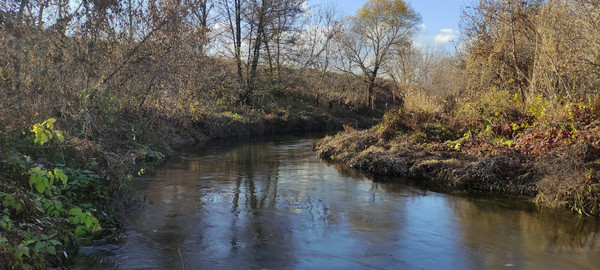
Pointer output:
x,y
275,205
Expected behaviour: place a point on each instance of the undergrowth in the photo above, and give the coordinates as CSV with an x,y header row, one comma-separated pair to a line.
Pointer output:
x,y
497,142
40,196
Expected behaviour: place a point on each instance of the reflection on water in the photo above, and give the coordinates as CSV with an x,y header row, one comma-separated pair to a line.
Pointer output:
x,y
275,205
526,238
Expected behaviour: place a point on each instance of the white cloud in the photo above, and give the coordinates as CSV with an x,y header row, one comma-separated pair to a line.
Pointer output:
x,y
445,35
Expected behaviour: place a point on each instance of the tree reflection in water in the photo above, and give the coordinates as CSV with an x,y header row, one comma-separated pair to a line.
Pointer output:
x,y
275,205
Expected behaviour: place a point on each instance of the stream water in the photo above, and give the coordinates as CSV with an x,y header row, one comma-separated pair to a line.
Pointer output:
x,y
274,205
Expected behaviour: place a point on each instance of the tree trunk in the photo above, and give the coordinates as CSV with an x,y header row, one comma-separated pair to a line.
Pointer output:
x,y
370,96
21,10
41,14
371,88
238,39
256,53
130,15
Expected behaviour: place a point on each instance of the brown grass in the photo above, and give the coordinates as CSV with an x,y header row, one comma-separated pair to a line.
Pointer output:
x,y
557,167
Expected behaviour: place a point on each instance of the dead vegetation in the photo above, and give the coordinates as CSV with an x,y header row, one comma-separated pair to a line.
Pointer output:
x,y
515,110
560,169
124,81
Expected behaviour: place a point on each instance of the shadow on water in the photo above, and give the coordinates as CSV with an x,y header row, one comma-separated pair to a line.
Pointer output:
x,y
275,205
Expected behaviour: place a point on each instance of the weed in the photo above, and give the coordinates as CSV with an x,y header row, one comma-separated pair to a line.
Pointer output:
x,y
85,222
6,224
10,202
54,208
538,107
44,243
587,199
37,247
45,132
84,186
16,161
44,180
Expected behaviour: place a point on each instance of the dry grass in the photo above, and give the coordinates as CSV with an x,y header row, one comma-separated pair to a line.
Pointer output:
x,y
498,149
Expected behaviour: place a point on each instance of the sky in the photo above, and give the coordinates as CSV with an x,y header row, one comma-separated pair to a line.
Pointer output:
x,y
439,26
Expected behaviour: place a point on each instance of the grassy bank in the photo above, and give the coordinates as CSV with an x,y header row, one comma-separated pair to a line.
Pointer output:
x,y
495,144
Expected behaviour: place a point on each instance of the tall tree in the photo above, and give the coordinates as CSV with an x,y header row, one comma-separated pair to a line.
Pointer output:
x,y
279,32
378,30
314,46
255,25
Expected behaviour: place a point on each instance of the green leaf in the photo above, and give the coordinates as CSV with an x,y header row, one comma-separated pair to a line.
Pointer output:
x,y
10,201
39,246
40,134
80,231
46,204
76,216
74,220
55,242
50,123
89,220
59,136
21,250
51,250
96,228
50,178
40,186
59,174
44,132
76,211
39,178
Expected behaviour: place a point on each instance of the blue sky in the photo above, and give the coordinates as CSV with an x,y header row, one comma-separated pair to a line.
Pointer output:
x,y
440,18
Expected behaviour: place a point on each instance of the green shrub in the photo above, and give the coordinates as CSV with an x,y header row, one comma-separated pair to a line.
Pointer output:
x,y
85,222
44,180
84,186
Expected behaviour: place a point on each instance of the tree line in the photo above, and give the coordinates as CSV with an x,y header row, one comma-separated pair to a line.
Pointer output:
x,y
138,53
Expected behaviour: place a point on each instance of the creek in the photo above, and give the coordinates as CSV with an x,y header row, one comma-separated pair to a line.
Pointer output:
x,y
273,204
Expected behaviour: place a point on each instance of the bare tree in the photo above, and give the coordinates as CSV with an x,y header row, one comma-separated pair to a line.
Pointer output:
x,y
257,26
378,30
281,27
315,46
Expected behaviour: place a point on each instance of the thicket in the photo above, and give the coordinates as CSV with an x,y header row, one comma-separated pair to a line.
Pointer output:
x,y
520,66
534,67
48,206
516,109
528,50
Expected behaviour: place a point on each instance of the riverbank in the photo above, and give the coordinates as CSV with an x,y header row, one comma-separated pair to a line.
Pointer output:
x,y
80,116
557,164
63,186
187,209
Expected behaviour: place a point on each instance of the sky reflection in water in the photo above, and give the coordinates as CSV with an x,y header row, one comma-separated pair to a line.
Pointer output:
x,y
275,205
